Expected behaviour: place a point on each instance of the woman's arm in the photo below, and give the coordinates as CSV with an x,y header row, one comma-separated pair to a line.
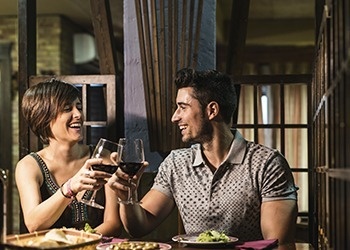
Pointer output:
x,y
38,215
111,225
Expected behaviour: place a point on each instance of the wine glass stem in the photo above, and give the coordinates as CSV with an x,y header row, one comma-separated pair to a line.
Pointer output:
x,y
93,197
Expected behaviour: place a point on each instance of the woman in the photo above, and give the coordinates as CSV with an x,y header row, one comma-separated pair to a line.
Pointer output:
x,y
52,181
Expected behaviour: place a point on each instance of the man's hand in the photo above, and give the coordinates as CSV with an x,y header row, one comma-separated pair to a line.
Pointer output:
x,y
120,184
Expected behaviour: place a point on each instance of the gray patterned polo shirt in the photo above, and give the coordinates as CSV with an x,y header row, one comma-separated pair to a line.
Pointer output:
x,y
228,200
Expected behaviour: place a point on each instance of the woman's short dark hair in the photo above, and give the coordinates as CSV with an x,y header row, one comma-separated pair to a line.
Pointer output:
x,y
42,103
210,85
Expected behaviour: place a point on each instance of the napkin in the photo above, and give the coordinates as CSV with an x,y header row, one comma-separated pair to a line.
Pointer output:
x,y
258,244
116,240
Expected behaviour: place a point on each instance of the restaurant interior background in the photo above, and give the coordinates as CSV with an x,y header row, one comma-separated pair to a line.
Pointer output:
x,y
290,59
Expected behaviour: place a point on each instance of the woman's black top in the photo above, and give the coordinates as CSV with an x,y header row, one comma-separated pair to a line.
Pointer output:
x,y
77,213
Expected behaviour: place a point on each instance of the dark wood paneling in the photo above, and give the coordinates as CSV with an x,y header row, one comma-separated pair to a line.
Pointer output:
x,y
331,126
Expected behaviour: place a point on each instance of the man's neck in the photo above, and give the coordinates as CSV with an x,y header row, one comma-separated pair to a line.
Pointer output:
x,y
215,151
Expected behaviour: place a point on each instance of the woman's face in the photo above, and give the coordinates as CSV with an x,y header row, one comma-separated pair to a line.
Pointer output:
x,y
68,124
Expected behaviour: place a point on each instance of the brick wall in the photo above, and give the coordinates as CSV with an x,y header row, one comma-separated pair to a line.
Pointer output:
x,y
54,43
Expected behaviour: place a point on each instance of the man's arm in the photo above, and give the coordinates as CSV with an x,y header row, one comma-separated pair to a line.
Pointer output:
x,y
278,220
139,220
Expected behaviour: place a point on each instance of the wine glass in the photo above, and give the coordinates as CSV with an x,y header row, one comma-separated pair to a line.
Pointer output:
x,y
131,160
104,150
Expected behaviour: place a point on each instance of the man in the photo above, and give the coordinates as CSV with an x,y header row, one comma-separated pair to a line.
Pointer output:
x,y
222,181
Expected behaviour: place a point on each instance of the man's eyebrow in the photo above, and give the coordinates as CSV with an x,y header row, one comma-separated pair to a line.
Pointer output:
x,y
183,103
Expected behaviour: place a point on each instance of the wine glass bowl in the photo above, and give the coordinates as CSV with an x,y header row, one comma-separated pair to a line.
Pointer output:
x,y
108,151
131,160
108,168
130,168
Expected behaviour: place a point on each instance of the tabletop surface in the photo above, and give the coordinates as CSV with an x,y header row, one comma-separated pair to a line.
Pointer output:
x,y
298,246
236,246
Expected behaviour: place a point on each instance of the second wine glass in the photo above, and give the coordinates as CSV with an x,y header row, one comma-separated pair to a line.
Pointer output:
x,y
108,151
131,160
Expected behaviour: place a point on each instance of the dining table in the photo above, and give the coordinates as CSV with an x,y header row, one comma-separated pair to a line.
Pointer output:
x,y
296,246
251,245
173,245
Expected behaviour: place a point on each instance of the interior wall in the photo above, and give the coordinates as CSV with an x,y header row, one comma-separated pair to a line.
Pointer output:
x,y
6,118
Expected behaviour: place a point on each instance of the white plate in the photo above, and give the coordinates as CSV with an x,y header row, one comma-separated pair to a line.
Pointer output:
x,y
191,239
107,246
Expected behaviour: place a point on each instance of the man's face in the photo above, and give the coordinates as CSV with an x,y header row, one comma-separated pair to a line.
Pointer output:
x,y
193,123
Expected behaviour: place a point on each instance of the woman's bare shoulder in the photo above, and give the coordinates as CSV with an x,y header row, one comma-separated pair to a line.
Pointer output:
x,y
27,165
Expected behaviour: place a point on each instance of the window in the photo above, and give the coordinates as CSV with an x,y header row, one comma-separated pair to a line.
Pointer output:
x,y
273,110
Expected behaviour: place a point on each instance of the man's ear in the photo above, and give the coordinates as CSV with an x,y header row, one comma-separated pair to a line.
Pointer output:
x,y
212,110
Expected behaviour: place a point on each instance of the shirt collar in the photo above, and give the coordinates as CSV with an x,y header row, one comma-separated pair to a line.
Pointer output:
x,y
235,155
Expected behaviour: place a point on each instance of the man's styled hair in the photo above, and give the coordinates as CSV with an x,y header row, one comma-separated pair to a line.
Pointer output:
x,y
210,85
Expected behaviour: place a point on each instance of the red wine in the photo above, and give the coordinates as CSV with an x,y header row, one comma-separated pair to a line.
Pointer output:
x,y
131,168
108,168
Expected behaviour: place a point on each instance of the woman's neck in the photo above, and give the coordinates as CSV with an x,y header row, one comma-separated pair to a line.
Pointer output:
x,y
64,152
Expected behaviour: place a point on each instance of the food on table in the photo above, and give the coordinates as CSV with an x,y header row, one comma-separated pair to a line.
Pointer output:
x,y
134,245
212,236
57,235
41,242
88,228
53,238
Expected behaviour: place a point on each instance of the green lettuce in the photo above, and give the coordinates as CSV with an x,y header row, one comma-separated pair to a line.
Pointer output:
x,y
212,236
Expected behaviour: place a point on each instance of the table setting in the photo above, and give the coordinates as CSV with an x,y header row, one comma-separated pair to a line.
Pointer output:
x,y
68,238
189,242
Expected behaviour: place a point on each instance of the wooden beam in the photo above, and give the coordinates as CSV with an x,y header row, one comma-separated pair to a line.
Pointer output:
x,y
5,105
102,24
281,54
237,37
105,41
26,65
235,50
26,61
5,135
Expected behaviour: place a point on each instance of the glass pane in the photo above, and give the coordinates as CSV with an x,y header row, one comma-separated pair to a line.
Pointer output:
x,y
95,133
97,110
270,137
301,181
295,102
246,105
296,147
269,104
247,133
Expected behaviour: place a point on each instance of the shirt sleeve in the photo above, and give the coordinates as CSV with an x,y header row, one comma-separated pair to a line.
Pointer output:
x,y
162,181
278,181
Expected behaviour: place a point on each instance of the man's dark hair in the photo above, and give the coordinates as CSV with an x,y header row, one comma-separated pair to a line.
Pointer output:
x,y
210,85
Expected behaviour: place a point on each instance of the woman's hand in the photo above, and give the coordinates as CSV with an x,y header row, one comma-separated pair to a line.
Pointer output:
x,y
87,179
119,182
